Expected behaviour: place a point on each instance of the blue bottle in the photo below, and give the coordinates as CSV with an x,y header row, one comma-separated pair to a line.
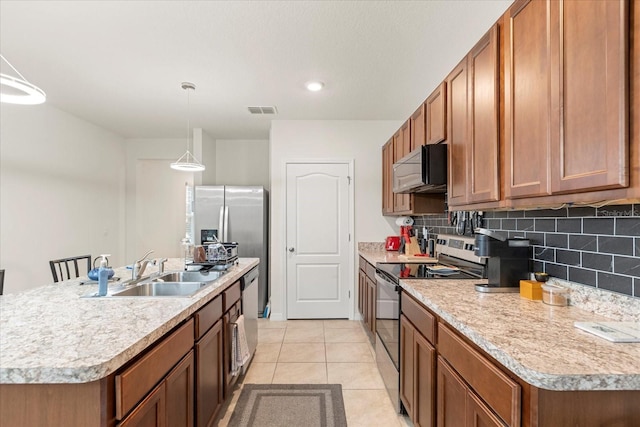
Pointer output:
x,y
103,276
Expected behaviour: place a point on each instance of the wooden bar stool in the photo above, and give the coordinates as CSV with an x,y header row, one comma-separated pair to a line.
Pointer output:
x,y
63,269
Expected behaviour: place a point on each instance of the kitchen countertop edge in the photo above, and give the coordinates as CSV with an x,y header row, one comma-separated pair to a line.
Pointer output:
x,y
508,357
179,310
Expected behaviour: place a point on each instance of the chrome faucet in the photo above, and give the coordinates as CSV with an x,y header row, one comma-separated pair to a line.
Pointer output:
x,y
160,263
139,266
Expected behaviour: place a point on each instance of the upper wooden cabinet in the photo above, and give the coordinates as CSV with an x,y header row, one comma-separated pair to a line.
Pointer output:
x,y
404,204
457,134
387,185
566,124
418,127
402,144
473,125
436,115
484,139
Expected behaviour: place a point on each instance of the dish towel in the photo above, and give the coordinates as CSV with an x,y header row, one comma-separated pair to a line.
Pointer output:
x,y
239,346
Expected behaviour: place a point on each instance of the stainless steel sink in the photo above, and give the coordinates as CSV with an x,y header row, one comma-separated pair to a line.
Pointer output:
x,y
162,289
189,276
171,284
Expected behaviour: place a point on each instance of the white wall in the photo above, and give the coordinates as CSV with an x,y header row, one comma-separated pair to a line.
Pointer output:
x,y
242,162
138,150
344,140
237,162
61,192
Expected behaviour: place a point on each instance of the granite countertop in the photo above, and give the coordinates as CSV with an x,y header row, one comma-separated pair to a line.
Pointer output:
x,y
52,335
537,342
375,252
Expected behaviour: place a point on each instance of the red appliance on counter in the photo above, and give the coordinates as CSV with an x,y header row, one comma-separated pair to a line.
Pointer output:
x,y
392,243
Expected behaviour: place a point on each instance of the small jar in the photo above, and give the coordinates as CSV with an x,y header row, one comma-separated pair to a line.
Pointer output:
x,y
555,295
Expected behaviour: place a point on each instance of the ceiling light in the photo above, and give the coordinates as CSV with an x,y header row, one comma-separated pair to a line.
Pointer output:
x,y
188,162
17,90
314,86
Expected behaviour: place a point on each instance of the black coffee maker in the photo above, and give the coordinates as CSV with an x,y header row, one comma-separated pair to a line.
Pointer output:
x,y
507,260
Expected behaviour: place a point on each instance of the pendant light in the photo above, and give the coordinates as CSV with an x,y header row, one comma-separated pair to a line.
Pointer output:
x,y
17,90
188,162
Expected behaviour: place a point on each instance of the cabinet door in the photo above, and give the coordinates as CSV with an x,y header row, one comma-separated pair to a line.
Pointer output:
x,y
402,202
484,143
451,396
230,317
179,393
149,413
418,127
387,177
424,394
436,105
365,301
529,122
590,75
371,305
457,134
210,375
479,415
361,294
407,374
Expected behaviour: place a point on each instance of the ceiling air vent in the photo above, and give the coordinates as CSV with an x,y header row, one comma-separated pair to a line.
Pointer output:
x,y
263,110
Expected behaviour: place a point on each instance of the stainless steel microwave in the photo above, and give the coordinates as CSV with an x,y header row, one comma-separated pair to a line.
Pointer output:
x,y
424,170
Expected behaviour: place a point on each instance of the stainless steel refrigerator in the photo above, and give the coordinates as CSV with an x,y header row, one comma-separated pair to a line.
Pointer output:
x,y
236,214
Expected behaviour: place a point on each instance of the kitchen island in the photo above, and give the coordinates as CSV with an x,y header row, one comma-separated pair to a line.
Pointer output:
x,y
60,353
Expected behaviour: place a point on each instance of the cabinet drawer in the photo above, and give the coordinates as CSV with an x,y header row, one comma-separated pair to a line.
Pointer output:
x,y
207,316
138,379
234,312
371,271
230,296
499,391
362,264
424,321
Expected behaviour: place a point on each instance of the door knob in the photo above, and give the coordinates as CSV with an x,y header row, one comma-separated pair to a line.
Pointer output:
x,y
291,249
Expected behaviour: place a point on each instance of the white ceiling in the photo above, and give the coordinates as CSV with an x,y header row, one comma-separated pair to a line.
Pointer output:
x,y
119,64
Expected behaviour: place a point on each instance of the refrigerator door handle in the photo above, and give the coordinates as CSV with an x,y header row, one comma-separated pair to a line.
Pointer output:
x,y
226,224
220,225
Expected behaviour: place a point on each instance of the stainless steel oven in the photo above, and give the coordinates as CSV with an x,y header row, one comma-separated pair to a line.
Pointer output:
x,y
456,260
388,334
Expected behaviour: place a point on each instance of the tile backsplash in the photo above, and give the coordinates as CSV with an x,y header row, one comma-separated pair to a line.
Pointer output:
x,y
598,247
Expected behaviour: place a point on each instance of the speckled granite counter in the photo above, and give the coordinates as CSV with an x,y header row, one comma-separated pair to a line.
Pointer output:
x,y
51,335
535,341
375,252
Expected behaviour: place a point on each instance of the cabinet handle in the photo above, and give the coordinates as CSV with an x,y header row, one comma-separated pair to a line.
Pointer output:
x,y
291,249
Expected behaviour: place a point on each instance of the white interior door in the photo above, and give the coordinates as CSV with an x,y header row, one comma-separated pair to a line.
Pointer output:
x,y
318,246
160,208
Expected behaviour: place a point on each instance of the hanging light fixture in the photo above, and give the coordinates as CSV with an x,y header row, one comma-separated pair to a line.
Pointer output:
x,y
188,162
17,90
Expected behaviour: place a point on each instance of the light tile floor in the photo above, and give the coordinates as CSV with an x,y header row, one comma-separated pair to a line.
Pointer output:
x,y
322,352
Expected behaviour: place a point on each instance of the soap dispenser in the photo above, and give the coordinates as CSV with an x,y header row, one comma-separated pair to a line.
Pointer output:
x,y
103,276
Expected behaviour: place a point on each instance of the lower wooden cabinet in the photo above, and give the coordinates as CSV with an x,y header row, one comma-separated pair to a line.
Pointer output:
x,y
170,403
417,375
478,414
458,405
367,298
150,412
210,375
371,308
500,392
451,396
179,388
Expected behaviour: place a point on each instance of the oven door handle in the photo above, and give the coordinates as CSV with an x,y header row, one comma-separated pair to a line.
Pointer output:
x,y
386,283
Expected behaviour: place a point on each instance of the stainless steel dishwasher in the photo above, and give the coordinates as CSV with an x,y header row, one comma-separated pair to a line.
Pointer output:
x,y
249,286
